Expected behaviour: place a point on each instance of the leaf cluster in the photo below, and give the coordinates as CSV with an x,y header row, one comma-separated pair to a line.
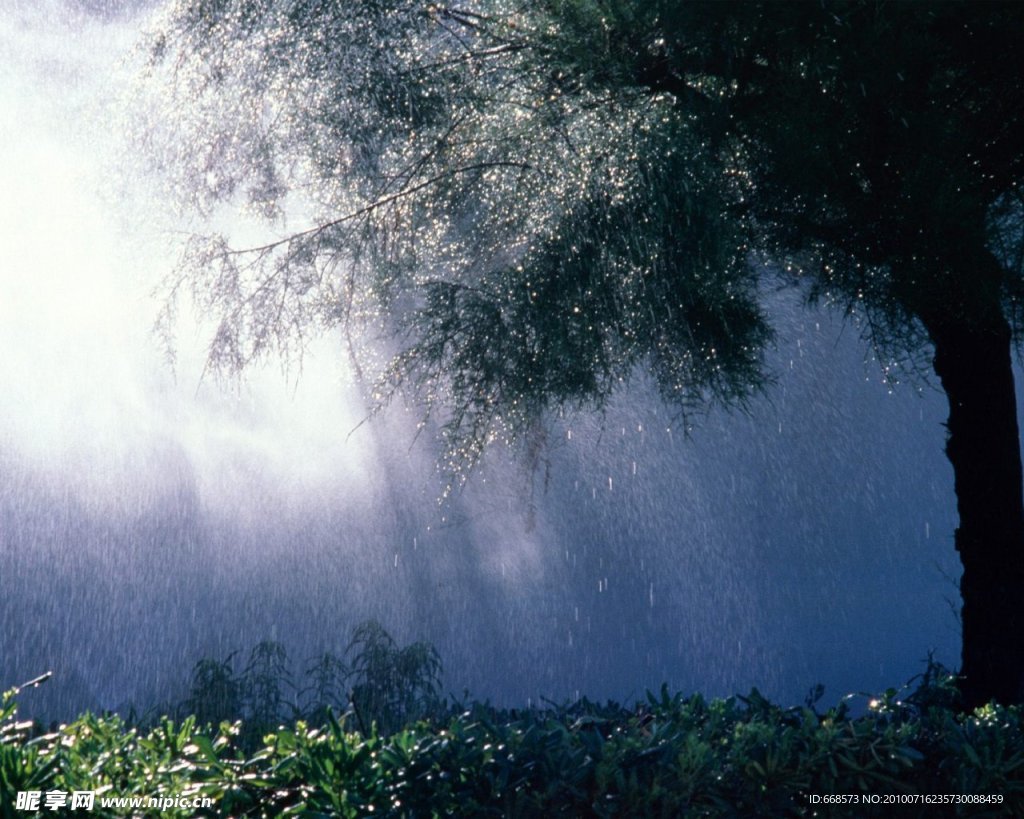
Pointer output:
x,y
525,238
530,202
668,756
375,681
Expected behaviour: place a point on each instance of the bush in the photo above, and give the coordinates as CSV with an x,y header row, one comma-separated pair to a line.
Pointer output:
x,y
377,682
670,756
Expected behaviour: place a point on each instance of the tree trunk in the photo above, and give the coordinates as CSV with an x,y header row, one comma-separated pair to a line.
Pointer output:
x,y
973,360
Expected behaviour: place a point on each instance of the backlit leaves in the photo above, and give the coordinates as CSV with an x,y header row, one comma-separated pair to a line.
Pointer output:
x,y
528,237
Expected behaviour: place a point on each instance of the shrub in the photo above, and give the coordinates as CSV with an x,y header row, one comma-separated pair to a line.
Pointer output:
x,y
670,756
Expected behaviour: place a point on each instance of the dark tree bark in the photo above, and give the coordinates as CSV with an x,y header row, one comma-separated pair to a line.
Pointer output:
x,y
973,345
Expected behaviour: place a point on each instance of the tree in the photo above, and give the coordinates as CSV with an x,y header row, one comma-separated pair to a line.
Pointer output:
x,y
532,240
538,201
882,143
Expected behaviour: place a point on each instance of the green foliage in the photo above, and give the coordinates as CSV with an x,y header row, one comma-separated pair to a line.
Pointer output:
x,y
670,756
325,692
385,686
879,143
528,239
24,762
536,200
216,693
266,680
391,686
